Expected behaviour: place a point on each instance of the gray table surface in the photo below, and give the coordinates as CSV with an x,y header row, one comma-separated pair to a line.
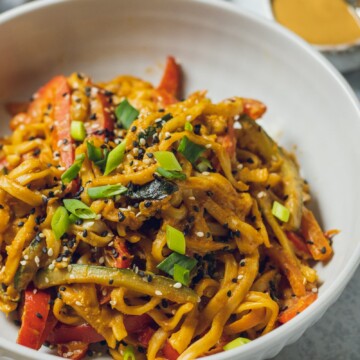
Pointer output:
x,y
336,335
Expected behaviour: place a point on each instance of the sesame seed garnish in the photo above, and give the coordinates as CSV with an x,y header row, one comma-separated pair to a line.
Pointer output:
x,y
261,194
177,285
191,197
23,262
200,234
26,257
205,173
158,293
78,303
50,252
101,260
240,277
47,280
208,146
72,276
314,290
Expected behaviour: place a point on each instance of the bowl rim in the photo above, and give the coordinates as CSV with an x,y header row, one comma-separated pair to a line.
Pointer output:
x,y
343,277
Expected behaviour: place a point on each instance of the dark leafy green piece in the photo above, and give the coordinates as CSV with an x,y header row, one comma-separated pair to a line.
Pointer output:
x,y
155,190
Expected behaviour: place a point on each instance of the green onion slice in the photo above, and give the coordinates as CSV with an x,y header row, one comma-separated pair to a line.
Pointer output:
x,y
190,150
167,160
72,172
181,275
106,191
129,353
171,175
73,219
79,209
115,158
167,265
126,114
60,222
236,343
94,153
188,126
175,240
204,165
77,130
280,211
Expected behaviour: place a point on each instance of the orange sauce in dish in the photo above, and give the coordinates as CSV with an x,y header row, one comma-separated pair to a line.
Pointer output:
x,y
321,22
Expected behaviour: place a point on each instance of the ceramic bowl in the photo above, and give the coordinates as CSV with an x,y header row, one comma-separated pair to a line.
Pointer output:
x,y
228,52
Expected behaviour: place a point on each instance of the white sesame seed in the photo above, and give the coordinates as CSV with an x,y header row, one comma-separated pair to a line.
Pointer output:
x,y
158,293
69,267
188,118
72,276
112,302
98,217
205,173
35,291
208,146
23,262
146,161
50,252
111,243
261,194
237,125
78,303
177,285
158,120
47,280
200,234
191,197
129,157
314,290
236,117
51,266
142,141
37,261
26,257
240,277
62,168
135,150
41,235
101,260
240,166
167,134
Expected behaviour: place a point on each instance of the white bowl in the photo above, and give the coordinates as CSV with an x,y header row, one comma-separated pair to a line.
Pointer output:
x,y
228,52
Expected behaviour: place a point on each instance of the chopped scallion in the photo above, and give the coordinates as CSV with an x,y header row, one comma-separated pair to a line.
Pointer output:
x,y
204,165
72,172
106,191
77,130
73,219
175,240
94,153
167,265
188,126
129,353
115,158
181,275
190,150
60,222
170,174
236,343
280,211
167,160
126,114
79,209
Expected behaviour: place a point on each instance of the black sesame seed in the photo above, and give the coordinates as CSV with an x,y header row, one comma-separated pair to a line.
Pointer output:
x,y
147,203
150,155
2,206
36,152
229,293
38,315
111,281
209,193
249,160
93,116
323,250
133,128
121,216
20,224
85,233
104,233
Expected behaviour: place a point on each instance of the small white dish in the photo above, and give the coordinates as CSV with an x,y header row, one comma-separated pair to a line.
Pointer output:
x,y
229,52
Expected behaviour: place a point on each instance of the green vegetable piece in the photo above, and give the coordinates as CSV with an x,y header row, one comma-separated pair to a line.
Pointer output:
x,y
167,265
129,353
94,153
204,165
79,209
175,240
77,130
181,275
126,114
280,212
72,172
167,160
188,126
106,191
60,222
190,150
73,219
171,175
115,158
155,190
236,343
106,276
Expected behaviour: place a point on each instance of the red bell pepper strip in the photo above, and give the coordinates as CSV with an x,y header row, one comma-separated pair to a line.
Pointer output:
x,y
298,242
169,352
170,84
49,327
74,350
137,323
100,108
124,259
316,242
299,305
62,139
145,336
84,333
33,319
